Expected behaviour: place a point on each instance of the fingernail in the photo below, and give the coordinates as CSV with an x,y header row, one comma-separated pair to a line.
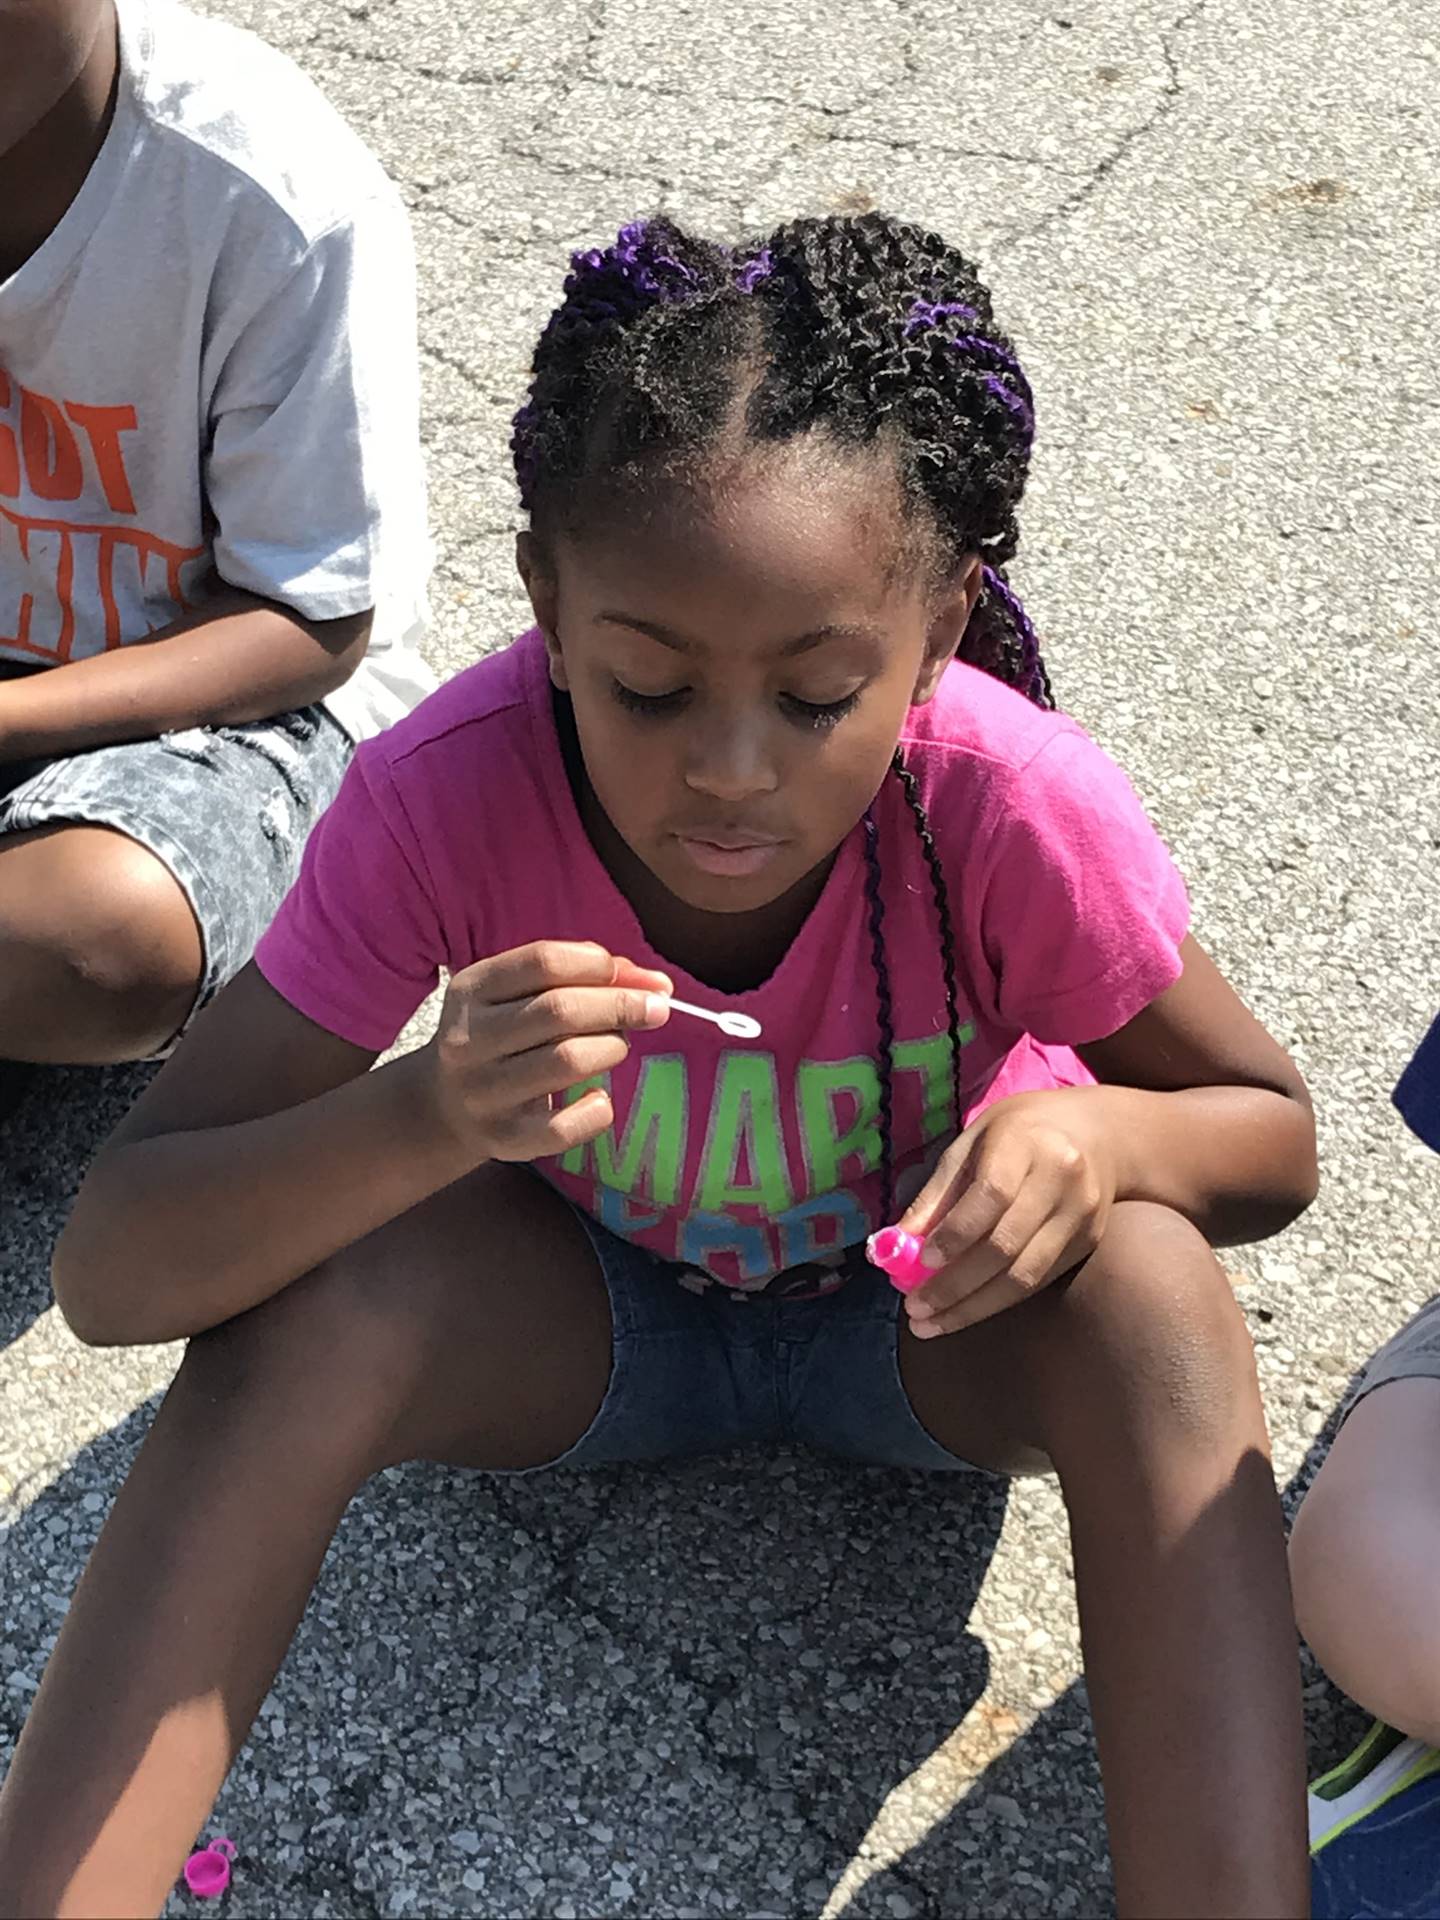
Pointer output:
x,y
657,1009
919,1309
926,1330
932,1256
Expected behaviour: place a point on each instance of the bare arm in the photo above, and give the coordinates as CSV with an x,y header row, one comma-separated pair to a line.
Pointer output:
x,y
265,1146
1209,1115
1197,1110
262,1148
238,659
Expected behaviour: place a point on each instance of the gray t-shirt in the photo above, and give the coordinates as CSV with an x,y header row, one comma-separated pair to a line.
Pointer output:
x,y
211,363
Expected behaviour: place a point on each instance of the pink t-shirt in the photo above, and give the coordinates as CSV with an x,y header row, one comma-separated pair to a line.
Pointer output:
x,y
456,836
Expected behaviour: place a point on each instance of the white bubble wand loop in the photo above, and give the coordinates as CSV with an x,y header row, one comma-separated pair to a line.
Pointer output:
x,y
739,1026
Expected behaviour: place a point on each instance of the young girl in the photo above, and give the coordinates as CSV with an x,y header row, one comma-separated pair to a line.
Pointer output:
x,y
780,745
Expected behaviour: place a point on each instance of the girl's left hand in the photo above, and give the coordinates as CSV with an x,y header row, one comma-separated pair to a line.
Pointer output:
x,y
1023,1196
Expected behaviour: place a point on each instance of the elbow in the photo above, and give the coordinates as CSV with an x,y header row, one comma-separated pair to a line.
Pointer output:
x,y
1308,1186
1307,1154
102,1280
344,643
1299,1186
1284,1185
89,1310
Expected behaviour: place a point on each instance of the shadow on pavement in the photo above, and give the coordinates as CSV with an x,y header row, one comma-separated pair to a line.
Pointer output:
x,y
646,1691
1052,1777
46,1145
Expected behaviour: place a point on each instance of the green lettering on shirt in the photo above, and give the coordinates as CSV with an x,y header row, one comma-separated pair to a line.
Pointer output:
x,y
651,1151
745,1126
819,1084
574,1160
931,1059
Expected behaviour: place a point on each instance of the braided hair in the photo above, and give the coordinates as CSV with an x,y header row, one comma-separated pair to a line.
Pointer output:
x,y
871,331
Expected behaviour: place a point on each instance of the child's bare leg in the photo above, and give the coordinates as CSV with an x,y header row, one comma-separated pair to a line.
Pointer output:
x,y
475,1330
99,951
1137,1380
1365,1558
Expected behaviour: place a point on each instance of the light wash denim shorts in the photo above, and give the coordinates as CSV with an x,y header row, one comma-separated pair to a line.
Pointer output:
x,y
227,809
697,1372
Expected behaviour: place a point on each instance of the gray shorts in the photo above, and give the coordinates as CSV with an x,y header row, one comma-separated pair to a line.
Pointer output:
x,y
227,809
1413,1354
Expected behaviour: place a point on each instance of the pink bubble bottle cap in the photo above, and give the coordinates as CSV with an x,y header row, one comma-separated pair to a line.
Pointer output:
x,y
898,1253
207,1872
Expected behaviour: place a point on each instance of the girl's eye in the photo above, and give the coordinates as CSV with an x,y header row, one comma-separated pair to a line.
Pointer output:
x,y
827,713
651,703
810,713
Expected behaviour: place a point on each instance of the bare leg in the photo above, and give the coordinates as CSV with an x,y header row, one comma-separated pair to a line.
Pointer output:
x,y
1365,1558
100,955
428,1340
1137,1379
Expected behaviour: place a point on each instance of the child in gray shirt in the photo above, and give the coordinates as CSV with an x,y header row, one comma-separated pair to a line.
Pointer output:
x,y
213,549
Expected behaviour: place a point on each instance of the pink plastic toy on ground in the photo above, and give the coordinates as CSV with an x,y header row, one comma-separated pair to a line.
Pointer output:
x,y
897,1253
207,1872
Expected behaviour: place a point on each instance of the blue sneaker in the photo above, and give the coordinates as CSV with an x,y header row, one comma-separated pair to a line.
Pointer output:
x,y
1375,1832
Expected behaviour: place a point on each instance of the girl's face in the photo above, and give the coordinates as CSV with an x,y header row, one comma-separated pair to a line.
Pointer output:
x,y
740,662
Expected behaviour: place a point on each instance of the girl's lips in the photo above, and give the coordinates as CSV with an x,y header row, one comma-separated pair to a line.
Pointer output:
x,y
731,863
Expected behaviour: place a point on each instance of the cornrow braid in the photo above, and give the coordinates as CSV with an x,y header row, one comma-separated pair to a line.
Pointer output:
x,y
874,333
1004,643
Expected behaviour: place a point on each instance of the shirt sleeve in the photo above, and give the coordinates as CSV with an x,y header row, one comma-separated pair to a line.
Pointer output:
x,y
358,943
313,471
1083,909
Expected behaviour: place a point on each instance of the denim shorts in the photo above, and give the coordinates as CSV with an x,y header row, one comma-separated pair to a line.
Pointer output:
x,y
710,1371
227,809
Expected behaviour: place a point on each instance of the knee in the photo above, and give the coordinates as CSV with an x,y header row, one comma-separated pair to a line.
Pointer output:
x,y
137,945
331,1360
1151,1320
1325,1556
1365,1547
1364,1558
116,930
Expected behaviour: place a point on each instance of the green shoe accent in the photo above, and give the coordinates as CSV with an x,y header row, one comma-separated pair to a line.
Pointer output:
x,y
1379,1741
1384,1764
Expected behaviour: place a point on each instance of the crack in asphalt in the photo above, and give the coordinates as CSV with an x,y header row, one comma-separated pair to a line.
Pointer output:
x,y
1097,175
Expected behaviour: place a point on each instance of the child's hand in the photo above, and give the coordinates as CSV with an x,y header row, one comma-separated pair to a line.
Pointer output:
x,y
1019,1199
524,1027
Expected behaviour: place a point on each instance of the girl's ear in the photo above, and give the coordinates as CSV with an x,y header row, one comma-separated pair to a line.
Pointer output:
x,y
949,618
539,577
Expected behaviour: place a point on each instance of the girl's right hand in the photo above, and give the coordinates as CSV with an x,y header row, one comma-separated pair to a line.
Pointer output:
x,y
519,1029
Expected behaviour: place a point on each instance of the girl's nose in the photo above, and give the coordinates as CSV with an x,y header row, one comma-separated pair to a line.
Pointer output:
x,y
731,764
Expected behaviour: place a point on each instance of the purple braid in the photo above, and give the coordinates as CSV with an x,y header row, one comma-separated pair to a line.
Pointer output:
x,y
1012,390
1020,408
1034,681
618,281
749,273
929,313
